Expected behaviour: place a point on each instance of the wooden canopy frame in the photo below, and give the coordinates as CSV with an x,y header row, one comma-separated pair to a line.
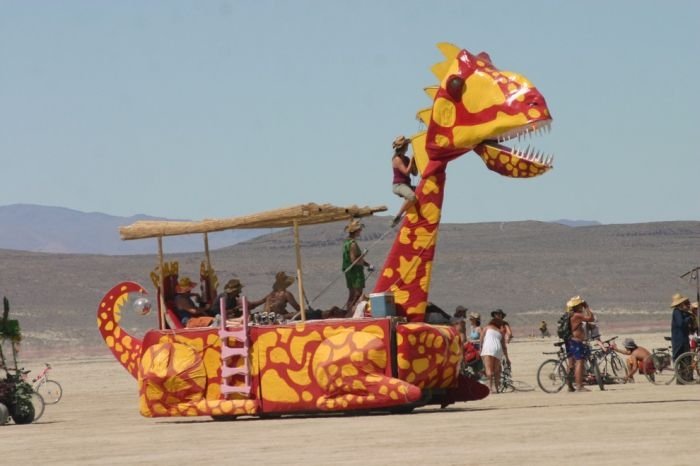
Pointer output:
x,y
295,216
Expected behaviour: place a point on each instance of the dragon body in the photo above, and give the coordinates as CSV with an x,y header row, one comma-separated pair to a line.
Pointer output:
x,y
347,364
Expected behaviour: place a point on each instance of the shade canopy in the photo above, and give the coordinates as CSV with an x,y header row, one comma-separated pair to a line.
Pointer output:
x,y
303,214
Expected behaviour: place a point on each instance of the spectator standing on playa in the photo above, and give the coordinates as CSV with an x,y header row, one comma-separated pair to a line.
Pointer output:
x,y
459,320
507,331
544,331
681,323
475,329
494,348
576,346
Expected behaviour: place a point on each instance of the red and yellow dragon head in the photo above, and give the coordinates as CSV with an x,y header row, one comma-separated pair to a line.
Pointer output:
x,y
476,107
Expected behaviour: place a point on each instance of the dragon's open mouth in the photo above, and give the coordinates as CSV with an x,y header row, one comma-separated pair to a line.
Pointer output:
x,y
517,162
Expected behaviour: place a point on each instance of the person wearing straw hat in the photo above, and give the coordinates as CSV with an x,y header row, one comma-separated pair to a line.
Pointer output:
x,y
403,167
576,346
276,301
681,322
187,311
353,263
231,297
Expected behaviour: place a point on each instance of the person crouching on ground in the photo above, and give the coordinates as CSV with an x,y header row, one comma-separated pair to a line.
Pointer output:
x,y
493,349
576,347
403,168
637,360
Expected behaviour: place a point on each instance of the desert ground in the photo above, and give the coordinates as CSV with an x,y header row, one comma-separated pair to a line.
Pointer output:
x,y
97,422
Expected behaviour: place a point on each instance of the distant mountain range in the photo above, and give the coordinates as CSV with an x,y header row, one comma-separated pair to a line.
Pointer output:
x,y
36,228
626,272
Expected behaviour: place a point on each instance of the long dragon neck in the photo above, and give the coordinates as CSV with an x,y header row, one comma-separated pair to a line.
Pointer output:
x,y
407,269
125,348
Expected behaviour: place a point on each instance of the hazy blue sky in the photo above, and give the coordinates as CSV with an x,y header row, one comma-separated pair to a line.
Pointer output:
x,y
222,108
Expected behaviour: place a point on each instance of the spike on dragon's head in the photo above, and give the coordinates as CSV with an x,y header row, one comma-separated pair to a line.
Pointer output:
x,y
475,107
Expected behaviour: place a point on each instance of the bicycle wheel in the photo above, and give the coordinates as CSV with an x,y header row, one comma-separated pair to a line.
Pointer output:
x,y
619,367
38,403
687,368
551,376
22,411
596,374
51,391
659,368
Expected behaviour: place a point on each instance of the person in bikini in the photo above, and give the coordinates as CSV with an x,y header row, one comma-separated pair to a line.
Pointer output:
x,y
276,301
576,347
403,168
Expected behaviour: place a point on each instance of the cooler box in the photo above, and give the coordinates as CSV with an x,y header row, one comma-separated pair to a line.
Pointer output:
x,y
382,304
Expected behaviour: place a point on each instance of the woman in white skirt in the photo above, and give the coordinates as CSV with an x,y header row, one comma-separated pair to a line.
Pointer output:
x,y
493,348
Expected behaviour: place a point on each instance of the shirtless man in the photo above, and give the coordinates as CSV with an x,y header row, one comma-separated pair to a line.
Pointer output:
x,y
276,301
637,357
576,347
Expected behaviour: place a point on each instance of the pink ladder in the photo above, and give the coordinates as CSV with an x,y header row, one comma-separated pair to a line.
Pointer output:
x,y
234,354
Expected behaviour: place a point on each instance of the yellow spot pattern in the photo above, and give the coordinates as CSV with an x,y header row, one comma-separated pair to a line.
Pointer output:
x,y
444,112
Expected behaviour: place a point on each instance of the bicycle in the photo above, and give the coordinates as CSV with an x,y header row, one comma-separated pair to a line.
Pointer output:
x,y
553,374
507,384
658,366
49,389
687,365
610,365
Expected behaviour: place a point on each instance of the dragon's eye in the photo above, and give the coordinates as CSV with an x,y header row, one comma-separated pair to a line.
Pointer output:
x,y
454,87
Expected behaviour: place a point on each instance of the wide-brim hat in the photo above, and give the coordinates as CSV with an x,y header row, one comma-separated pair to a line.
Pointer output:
x,y
282,281
184,285
574,301
678,299
629,343
498,312
475,315
694,305
353,226
232,286
399,142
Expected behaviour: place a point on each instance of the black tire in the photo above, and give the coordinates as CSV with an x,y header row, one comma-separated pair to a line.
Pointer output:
x,y
688,368
663,373
4,414
551,376
596,373
22,412
619,367
51,391
38,403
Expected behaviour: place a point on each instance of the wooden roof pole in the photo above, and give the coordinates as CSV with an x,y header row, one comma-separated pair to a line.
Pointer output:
x,y
300,280
161,297
206,251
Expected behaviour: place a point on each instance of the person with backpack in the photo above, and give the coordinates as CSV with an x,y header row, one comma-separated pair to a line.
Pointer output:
x,y
576,347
